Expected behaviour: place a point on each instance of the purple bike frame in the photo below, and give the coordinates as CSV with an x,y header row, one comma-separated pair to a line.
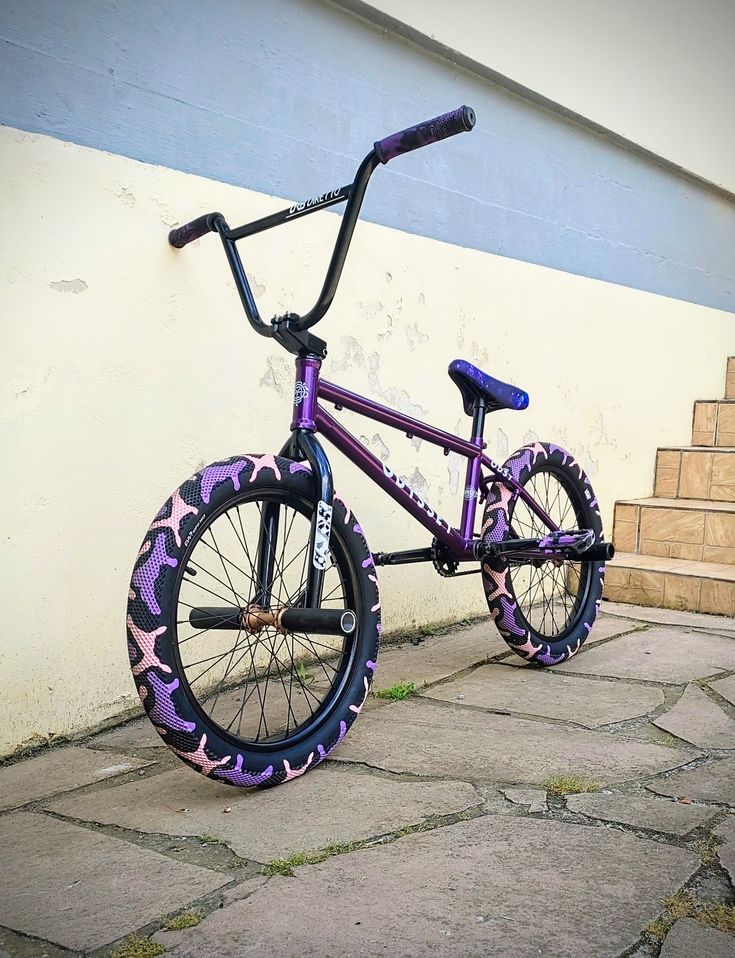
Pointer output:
x,y
310,416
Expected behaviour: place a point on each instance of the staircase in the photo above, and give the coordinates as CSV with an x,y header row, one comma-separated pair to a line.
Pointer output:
x,y
676,550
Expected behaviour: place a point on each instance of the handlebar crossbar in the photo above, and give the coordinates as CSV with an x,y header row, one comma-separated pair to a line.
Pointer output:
x,y
289,330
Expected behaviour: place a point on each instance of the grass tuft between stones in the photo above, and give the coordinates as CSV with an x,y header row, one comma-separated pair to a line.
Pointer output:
x,y
285,866
657,929
666,738
397,692
680,905
187,919
137,947
720,916
707,849
570,784
212,840
683,904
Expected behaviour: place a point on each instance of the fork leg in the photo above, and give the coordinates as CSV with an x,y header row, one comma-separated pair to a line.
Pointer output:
x,y
266,556
305,442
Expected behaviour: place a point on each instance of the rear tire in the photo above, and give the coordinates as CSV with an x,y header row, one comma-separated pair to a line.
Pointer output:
x,y
199,551
543,609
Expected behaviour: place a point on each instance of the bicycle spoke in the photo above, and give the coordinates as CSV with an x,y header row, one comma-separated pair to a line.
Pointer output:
x,y
284,680
542,590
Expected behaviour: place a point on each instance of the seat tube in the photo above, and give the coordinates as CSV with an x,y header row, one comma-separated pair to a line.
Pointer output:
x,y
472,475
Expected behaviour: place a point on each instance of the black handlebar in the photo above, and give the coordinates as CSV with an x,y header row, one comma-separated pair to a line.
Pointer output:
x,y
182,235
287,329
460,120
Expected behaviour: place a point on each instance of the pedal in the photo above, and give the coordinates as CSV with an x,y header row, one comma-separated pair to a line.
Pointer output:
x,y
574,542
558,544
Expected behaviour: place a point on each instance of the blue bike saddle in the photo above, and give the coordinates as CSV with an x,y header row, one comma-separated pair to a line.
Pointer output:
x,y
473,383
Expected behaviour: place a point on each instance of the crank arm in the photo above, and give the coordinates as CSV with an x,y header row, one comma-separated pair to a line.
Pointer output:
x,y
574,546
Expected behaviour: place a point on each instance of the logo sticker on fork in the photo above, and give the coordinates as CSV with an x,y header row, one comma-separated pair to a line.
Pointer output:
x,y
322,531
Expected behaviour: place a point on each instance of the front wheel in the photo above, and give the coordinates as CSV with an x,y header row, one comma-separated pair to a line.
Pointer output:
x,y
249,704
544,609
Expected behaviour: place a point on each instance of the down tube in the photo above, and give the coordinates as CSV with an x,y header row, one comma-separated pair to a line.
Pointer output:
x,y
373,468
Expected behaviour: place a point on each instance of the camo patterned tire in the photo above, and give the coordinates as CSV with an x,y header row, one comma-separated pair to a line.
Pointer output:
x,y
543,609
248,707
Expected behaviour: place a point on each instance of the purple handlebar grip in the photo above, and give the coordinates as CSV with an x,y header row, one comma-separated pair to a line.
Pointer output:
x,y
460,120
182,235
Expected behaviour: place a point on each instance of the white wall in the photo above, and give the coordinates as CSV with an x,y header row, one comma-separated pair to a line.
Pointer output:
x,y
659,72
126,365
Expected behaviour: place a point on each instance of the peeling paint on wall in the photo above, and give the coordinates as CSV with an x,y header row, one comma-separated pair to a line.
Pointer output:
x,y
418,482
278,375
69,286
125,195
376,446
350,355
369,310
415,337
398,398
454,466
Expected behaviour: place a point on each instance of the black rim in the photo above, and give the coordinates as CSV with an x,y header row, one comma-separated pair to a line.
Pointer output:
x,y
263,691
551,595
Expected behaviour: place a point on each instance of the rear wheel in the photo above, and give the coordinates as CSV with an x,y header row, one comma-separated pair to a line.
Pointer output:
x,y
544,609
252,704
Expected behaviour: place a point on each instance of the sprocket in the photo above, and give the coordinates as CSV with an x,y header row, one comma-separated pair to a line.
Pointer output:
x,y
445,564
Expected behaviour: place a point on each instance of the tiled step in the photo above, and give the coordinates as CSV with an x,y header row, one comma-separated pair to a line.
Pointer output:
x,y
714,423
694,529
671,583
695,472
730,379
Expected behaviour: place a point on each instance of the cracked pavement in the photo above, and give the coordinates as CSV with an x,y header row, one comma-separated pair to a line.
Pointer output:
x,y
441,825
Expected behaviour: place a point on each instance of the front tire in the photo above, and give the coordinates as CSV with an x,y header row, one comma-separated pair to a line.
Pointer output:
x,y
202,688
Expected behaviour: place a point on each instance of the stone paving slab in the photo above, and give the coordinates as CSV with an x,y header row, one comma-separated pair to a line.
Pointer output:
x,y
438,656
725,688
689,939
657,655
14,945
535,798
424,738
605,627
330,805
641,812
135,735
58,771
82,890
688,620
698,720
169,939
587,702
475,888
726,852
714,782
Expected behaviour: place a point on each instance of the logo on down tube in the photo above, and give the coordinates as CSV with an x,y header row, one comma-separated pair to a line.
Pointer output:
x,y
402,484
320,557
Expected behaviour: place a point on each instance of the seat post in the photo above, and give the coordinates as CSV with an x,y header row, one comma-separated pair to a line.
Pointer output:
x,y
472,477
478,417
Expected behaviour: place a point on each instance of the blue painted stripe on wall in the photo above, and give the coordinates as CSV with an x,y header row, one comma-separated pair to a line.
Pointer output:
x,y
285,97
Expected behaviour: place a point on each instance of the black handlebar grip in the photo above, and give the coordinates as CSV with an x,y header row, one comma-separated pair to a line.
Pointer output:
x,y
460,120
189,232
